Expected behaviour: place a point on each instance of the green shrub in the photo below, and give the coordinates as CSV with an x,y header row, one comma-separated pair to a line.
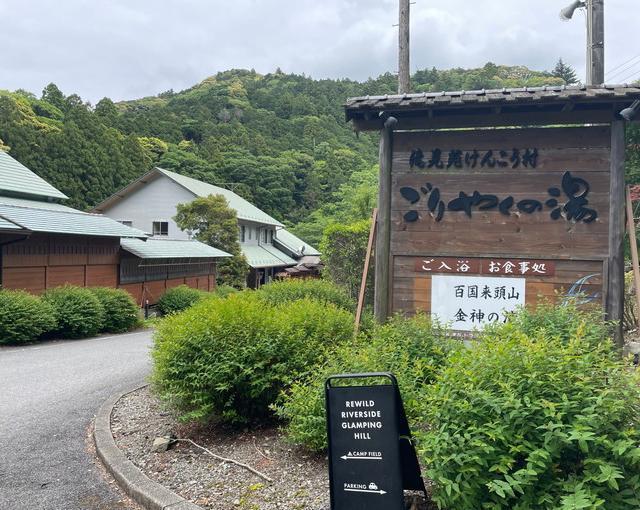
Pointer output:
x,y
230,358
412,349
78,311
178,299
313,288
528,420
120,310
562,321
224,291
23,317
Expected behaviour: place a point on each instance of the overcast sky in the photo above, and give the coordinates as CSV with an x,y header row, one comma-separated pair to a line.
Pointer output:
x,y
125,49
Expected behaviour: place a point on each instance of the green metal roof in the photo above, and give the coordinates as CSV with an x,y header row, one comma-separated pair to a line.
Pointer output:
x,y
154,248
31,215
36,204
17,178
244,209
294,243
261,255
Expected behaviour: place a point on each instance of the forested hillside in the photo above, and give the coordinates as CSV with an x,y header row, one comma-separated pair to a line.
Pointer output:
x,y
279,139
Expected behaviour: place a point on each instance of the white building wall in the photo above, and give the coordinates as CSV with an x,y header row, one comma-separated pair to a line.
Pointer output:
x,y
252,230
155,201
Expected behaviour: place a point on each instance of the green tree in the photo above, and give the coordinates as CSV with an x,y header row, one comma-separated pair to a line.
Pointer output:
x,y
343,250
52,94
566,72
214,223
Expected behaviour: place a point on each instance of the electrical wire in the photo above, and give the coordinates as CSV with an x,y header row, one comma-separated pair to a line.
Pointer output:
x,y
630,78
623,70
610,71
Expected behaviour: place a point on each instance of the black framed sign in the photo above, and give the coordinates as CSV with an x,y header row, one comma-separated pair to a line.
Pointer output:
x,y
371,457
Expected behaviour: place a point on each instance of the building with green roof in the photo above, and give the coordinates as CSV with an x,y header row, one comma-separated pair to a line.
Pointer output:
x,y
44,244
149,203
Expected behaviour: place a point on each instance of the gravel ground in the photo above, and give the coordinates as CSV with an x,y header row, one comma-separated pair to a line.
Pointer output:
x,y
300,479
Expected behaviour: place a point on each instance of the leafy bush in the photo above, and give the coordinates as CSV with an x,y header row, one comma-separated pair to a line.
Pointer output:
x,y
413,349
319,290
526,420
78,311
23,317
120,310
224,291
344,248
562,321
230,358
178,299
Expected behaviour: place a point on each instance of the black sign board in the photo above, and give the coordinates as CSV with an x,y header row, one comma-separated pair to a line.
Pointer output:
x,y
371,457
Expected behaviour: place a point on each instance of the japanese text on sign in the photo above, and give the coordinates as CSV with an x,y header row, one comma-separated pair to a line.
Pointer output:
x,y
469,302
488,266
574,208
456,158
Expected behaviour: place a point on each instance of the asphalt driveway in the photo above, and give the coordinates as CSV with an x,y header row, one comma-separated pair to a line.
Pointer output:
x,y
48,395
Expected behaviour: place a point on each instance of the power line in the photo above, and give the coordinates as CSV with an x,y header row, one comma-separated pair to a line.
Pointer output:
x,y
630,78
623,64
624,70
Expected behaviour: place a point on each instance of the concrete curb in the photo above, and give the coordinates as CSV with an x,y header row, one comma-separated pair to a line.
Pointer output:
x,y
146,492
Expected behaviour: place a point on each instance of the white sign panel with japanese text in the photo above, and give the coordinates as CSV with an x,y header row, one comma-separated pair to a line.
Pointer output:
x,y
469,302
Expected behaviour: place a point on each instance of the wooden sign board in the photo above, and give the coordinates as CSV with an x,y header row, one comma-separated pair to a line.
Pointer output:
x,y
519,210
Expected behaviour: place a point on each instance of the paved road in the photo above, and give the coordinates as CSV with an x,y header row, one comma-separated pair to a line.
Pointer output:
x,y
48,395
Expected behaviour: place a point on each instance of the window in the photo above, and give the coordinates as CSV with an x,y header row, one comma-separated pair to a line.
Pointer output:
x,y
265,233
160,228
271,236
242,233
127,223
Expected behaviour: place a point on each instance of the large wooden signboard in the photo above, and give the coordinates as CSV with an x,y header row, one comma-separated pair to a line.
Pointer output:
x,y
485,220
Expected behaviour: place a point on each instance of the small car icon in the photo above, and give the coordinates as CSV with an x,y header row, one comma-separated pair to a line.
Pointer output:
x,y
373,487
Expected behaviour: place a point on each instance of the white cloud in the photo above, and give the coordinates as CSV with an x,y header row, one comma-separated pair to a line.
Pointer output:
x,y
126,49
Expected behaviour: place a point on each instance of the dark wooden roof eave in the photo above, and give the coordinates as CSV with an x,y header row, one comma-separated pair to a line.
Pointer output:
x,y
542,105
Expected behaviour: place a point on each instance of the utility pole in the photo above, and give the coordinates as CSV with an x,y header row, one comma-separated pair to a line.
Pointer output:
x,y
595,42
404,85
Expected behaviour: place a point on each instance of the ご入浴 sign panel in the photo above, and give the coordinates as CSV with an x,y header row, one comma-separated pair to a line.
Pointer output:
x,y
526,209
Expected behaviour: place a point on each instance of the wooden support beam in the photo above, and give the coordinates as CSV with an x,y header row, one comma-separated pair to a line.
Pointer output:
x,y
615,276
631,228
365,270
383,237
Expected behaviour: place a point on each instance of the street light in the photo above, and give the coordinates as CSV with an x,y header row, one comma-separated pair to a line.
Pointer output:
x,y
595,36
567,13
629,113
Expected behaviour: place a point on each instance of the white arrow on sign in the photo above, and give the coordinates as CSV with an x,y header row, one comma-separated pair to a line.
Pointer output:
x,y
351,457
381,492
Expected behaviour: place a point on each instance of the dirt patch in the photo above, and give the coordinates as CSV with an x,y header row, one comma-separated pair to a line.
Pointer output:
x,y
300,479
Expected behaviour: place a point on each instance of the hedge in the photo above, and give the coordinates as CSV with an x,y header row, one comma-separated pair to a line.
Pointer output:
x,y
79,313
230,358
121,313
539,414
24,317
178,299
413,349
313,288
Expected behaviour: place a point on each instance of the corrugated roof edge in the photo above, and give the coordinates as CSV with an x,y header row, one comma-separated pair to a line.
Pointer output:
x,y
135,233
170,175
482,98
157,171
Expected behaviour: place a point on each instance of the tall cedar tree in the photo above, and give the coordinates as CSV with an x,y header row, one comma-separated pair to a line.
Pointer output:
x,y
214,223
566,72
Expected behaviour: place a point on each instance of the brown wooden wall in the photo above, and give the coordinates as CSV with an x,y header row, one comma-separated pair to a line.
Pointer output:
x,y
579,249
46,261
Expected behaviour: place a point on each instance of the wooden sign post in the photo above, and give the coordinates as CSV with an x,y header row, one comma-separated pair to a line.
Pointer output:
x,y
524,204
